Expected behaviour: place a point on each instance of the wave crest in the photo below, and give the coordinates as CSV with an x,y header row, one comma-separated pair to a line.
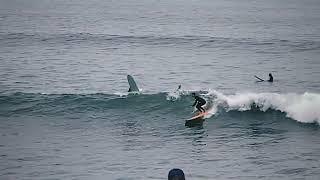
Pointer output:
x,y
301,107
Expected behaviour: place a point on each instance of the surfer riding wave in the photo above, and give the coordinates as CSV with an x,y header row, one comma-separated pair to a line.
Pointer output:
x,y
199,102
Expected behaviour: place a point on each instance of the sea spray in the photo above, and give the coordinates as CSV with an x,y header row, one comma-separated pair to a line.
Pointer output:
x,y
301,107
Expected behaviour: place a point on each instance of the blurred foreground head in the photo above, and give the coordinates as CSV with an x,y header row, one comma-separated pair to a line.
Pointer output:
x,y
176,174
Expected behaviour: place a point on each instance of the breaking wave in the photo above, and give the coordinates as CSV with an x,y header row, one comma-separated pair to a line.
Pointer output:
x,y
300,107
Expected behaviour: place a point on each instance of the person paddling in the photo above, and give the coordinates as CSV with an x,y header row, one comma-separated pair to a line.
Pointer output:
x,y
270,77
269,80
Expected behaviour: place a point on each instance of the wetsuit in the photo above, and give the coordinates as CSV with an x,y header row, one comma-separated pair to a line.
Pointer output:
x,y
200,102
270,78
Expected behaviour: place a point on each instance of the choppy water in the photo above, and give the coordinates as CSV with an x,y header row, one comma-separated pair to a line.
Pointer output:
x,y
65,113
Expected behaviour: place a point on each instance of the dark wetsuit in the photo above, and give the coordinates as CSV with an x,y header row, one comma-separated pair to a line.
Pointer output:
x,y
270,78
200,102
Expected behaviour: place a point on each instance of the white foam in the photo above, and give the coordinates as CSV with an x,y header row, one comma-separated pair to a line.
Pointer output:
x,y
121,94
301,107
173,96
213,110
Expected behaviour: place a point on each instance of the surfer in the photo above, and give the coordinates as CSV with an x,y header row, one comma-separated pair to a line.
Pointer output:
x,y
178,90
270,77
261,80
179,87
199,102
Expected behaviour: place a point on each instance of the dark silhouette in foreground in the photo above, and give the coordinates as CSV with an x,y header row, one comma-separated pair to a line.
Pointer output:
x,y
176,174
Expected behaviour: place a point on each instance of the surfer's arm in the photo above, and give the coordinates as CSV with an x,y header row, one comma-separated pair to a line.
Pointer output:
x,y
260,80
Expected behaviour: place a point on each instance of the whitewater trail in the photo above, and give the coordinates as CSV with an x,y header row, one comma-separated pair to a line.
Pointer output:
x,y
300,107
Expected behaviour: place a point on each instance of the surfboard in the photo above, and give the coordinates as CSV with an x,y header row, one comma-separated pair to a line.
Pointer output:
x,y
196,120
200,115
258,78
132,84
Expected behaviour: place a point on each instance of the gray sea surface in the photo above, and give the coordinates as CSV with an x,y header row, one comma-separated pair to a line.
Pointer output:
x,y
65,112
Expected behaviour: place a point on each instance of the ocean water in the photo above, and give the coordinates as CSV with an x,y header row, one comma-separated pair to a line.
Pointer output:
x,y
65,112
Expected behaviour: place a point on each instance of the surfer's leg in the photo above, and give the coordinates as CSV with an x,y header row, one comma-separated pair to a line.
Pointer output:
x,y
199,107
203,109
